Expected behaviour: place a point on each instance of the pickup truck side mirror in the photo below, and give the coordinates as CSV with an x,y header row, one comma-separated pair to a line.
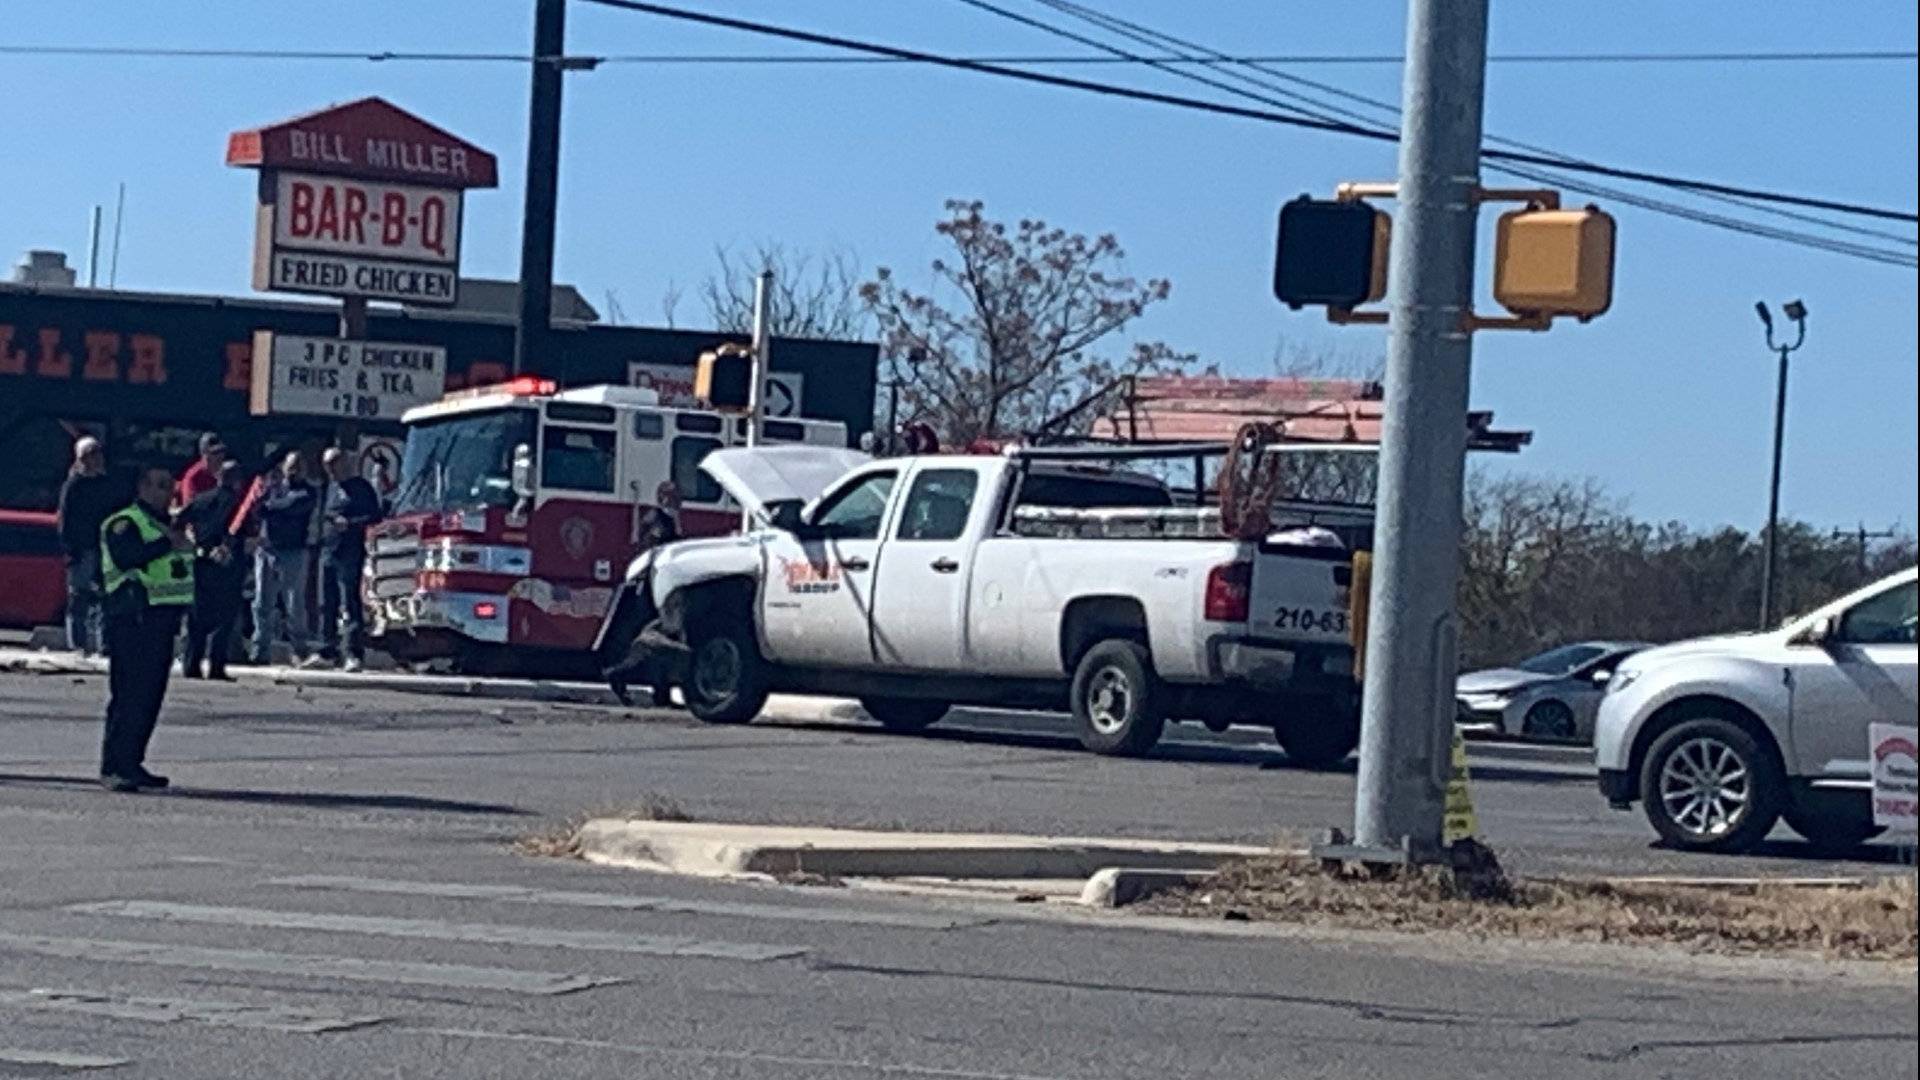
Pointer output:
x,y
523,471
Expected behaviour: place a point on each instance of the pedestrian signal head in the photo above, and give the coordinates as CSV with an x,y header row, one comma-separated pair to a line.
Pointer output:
x,y
724,378
1332,253
1554,262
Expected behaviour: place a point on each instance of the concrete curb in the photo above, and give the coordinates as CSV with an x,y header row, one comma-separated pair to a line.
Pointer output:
x,y
1118,886
703,850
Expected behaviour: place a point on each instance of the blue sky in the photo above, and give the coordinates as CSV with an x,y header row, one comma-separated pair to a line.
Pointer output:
x,y
1667,399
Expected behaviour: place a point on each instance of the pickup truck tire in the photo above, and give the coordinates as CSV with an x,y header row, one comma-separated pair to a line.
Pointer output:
x,y
1317,733
1117,706
905,714
1708,785
726,677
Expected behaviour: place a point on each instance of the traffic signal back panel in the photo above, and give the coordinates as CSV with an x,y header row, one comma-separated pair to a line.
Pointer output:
x,y
1331,254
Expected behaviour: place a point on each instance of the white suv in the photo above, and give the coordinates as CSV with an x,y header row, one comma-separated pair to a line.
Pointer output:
x,y
1719,738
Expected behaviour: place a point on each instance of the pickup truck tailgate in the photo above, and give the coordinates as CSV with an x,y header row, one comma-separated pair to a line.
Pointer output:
x,y
1300,598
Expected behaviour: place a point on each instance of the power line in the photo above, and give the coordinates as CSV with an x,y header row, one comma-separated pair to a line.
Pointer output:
x,y
1221,108
1145,35
152,52
1301,59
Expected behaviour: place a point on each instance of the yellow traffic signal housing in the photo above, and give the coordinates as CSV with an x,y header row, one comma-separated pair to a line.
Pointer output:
x,y
724,378
1331,253
1554,262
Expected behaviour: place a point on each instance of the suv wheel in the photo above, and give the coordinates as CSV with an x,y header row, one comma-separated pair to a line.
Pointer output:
x,y
1709,785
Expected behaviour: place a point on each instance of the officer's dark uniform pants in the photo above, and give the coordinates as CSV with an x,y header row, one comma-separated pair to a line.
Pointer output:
x,y
140,657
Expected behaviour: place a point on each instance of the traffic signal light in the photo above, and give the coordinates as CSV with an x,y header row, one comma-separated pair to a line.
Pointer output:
x,y
1554,262
724,378
1331,253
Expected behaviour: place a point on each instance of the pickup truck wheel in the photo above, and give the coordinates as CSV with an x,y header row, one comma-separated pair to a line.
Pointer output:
x,y
905,714
726,683
1708,785
1116,700
1317,733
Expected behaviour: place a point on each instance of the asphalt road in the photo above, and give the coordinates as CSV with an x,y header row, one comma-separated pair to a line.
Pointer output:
x,y
328,892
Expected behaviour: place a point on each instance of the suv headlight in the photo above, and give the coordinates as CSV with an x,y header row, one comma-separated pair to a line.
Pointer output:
x,y
1621,680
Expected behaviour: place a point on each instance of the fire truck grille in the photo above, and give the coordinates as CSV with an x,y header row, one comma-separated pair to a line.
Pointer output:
x,y
394,562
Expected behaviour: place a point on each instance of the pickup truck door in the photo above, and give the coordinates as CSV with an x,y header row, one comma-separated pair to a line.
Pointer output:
x,y
1863,674
920,601
817,596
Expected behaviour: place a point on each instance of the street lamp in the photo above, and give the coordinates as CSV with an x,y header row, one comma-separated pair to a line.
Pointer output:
x,y
1795,311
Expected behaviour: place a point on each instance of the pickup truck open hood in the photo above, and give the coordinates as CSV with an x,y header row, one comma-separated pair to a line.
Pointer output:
x,y
762,477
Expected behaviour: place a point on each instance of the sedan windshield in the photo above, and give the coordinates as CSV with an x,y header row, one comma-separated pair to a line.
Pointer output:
x,y
1564,660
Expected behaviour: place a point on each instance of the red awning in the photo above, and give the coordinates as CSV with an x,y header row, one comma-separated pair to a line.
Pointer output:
x,y
1211,409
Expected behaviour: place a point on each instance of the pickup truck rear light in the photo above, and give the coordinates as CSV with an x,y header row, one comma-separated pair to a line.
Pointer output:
x,y
1228,587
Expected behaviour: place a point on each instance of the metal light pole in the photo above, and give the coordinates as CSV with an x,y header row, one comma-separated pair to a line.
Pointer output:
x,y
1413,640
1795,311
762,353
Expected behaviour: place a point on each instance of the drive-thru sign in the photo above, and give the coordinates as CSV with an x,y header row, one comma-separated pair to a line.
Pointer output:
x,y
361,201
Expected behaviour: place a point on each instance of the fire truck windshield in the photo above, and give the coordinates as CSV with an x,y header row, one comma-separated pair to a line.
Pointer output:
x,y
462,462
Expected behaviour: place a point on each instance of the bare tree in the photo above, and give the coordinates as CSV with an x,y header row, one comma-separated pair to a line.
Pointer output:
x,y
1011,341
1549,560
814,296
670,304
1300,360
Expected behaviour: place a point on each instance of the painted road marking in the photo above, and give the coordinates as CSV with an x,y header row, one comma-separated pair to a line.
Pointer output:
x,y
410,973
159,1010
442,930
55,1060
623,902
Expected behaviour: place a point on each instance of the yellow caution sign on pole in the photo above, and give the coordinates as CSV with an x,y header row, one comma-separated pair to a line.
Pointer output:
x,y
1460,822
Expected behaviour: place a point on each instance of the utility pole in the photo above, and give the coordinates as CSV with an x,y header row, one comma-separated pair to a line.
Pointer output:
x,y
762,353
1863,538
1769,569
1412,640
543,187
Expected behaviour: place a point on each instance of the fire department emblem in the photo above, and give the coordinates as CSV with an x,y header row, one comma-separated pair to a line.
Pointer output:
x,y
576,535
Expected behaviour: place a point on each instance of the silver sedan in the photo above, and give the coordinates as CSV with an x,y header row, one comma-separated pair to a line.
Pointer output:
x,y
1552,696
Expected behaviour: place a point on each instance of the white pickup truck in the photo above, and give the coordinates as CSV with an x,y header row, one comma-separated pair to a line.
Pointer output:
x,y
1025,581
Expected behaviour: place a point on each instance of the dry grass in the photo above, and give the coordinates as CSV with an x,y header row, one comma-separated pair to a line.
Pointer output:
x,y
1875,921
563,840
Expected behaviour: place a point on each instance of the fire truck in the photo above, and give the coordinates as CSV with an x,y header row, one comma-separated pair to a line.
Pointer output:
x,y
518,508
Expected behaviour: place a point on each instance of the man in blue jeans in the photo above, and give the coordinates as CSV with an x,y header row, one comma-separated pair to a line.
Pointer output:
x,y
352,505
285,511
86,499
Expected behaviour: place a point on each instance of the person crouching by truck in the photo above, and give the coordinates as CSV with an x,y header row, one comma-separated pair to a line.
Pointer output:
x,y
352,506
147,570
219,575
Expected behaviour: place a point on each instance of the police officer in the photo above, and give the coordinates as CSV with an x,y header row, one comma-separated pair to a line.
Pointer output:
x,y
147,571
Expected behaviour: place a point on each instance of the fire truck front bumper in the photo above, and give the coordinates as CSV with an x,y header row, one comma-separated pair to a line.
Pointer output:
x,y
476,616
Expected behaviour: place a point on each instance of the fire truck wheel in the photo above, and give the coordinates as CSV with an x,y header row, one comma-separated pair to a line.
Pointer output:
x,y
726,681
